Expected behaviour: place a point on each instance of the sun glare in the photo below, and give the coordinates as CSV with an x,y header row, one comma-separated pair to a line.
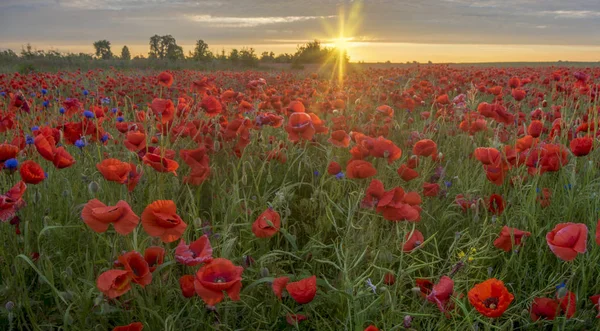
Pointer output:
x,y
340,37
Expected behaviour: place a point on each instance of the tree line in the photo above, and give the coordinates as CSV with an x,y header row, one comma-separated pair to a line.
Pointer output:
x,y
165,48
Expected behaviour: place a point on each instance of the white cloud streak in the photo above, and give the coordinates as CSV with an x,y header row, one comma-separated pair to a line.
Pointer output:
x,y
249,22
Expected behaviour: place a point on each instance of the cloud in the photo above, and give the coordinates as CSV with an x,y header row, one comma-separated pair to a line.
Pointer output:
x,y
248,22
572,13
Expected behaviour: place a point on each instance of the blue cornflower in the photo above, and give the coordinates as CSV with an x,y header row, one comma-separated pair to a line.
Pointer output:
x,y
35,128
32,94
104,138
11,164
568,187
114,110
316,173
80,143
3,93
339,175
46,103
86,92
561,285
88,114
120,119
448,183
44,91
29,140
105,100
61,110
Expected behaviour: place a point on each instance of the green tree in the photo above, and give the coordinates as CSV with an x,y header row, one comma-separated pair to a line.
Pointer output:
x,y
103,49
201,52
312,52
125,54
165,47
155,51
248,57
267,57
234,56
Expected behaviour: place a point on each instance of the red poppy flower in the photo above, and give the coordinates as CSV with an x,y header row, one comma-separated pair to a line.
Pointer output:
x,y
186,283
535,128
373,194
381,147
135,141
568,303
544,308
360,169
505,239
441,294
304,290
424,285
134,177
278,285
389,279
217,276
114,170
443,99
371,328
596,301
425,147
163,109
211,105
99,216
114,283
165,79
519,94
31,172
334,168
160,219
406,173
412,240
488,156
160,163
62,159
294,319
431,189
566,240
339,138
491,298
545,198
266,224
138,269
385,110
581,146
154,256
397,205
496,204
12,201
135,326
7,151
300,126
197,252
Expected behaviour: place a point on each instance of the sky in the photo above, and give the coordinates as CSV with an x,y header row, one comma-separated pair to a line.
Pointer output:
x,y
374,30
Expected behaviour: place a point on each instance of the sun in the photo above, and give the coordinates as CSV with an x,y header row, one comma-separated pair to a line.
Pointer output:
x,y
341,37
342,43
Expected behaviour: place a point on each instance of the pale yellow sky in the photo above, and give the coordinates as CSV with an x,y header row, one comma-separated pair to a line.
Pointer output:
x,y
396,52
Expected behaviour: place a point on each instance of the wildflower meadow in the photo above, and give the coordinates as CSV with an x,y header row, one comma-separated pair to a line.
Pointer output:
x,y
415,197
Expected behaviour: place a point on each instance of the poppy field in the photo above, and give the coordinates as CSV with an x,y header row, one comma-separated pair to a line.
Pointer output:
x,y
424,197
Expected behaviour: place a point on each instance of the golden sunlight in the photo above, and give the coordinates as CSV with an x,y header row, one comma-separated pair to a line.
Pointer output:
x,y
340,38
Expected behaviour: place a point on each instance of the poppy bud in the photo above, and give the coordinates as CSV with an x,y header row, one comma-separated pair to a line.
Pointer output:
x,y
93,187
